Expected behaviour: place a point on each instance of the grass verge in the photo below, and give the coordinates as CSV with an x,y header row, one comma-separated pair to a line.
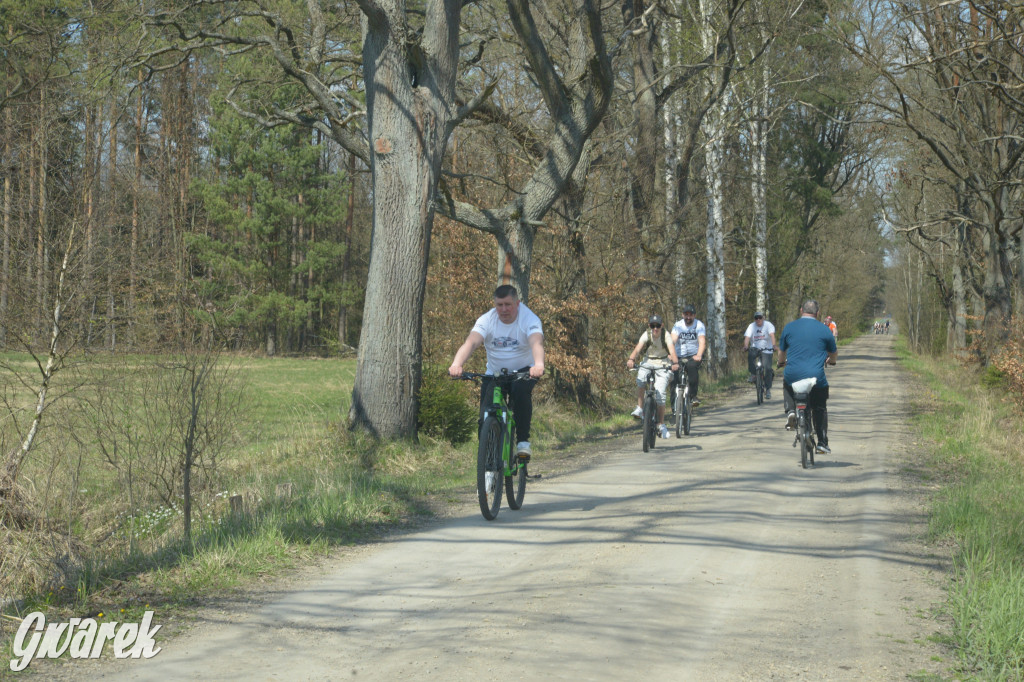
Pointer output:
x,y
976,442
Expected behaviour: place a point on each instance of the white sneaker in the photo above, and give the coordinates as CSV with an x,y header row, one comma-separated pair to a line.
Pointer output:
x,y
664,431
637,413
523,451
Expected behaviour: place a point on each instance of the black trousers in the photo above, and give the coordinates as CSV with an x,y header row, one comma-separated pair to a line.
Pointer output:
x,y
690,366
520,399
769,373
816,401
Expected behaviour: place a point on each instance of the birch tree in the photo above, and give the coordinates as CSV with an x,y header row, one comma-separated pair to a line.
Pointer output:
x,y
715,127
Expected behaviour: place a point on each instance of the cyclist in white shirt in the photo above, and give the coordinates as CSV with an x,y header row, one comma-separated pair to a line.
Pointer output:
x,y
689,337
759,339
513,338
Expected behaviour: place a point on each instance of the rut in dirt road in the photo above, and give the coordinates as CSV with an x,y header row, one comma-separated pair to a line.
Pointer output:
x,y
713,557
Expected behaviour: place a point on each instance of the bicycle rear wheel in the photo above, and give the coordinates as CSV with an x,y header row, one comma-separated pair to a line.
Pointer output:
x,y
515,486
806,452
650,422
489,467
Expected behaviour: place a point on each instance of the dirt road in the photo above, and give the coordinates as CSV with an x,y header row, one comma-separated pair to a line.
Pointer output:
x,y
715,557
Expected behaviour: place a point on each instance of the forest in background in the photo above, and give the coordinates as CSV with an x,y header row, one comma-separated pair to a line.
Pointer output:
x,y
200,174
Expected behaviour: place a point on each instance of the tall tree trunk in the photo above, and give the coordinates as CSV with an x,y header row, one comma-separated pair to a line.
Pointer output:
x,y
714,128
576,322
759,187
996,287
409,91
42,218
346,259
715,247
133,245
5,268
646,194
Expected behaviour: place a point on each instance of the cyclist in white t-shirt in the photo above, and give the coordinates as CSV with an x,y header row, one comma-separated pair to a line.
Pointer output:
x,y
513,338
757,340
689,337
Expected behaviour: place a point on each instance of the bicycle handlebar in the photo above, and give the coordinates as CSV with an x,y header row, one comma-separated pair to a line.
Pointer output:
x,y
510,376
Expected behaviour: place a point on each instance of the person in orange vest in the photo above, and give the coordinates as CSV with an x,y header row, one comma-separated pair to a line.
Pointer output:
x,y
832,326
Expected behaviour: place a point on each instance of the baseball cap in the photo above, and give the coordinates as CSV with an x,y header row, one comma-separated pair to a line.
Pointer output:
x,y
757,315
689,309
654,320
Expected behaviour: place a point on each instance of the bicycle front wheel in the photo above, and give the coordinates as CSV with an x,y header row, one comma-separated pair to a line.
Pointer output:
x,y
806,448
489,467
650,422
680,412
759,378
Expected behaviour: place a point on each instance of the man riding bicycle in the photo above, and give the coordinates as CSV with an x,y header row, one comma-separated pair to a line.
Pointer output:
x,y
689,338
805,346
660,359
759,339
513,338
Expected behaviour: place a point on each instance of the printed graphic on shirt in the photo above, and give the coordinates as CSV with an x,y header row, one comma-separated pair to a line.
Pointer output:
x,y
688,344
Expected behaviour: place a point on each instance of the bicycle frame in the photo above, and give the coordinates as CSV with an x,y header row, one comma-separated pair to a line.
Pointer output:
x,y
499,407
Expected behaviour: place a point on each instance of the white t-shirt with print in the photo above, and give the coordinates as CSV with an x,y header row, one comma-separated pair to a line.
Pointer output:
x,y
506,344
759,336
686,340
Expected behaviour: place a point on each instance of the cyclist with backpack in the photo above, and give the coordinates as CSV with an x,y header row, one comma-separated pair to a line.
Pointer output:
x,y
660,357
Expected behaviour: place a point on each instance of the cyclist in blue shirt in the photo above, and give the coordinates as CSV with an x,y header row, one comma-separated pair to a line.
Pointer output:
x,y
805,346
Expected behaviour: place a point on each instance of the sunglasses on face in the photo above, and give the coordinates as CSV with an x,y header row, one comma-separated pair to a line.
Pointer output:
x,y
655,326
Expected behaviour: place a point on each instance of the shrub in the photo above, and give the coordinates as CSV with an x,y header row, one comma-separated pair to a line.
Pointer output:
x,y
445,410
1008,361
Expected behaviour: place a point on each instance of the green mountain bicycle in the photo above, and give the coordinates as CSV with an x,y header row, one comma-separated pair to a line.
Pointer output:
x,y
496,460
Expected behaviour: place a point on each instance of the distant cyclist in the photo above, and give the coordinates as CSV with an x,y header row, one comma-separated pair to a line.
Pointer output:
x,y
832,327
887,326
805,346
759,339
513,338
688,335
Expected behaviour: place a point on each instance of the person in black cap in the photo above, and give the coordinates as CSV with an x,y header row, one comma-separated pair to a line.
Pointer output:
x,y
660,359
688,335
760,338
